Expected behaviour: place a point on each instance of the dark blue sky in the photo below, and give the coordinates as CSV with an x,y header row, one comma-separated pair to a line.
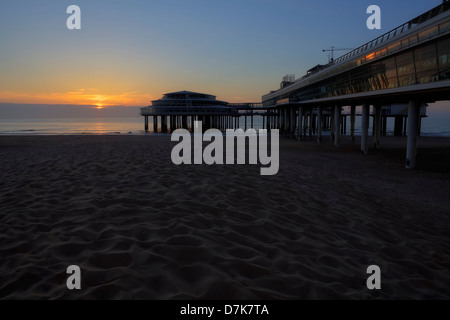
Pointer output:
x,y
129,52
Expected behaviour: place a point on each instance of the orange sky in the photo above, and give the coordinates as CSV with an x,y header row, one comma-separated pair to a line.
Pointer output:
x,y
87,96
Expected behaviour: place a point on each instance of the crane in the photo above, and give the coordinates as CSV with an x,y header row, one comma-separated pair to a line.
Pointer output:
x,y
333,49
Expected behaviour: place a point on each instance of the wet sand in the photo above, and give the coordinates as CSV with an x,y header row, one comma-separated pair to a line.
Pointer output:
x,y
140,227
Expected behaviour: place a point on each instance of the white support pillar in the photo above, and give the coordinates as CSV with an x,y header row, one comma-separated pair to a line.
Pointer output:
x,y
300,124
365,128
377,125
413,132
352,123
337,126
319,125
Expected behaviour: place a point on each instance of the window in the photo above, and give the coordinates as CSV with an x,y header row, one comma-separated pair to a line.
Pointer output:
x,y
390,73
405,64
394,47
426,58
445,27
444,53
424,35
413,40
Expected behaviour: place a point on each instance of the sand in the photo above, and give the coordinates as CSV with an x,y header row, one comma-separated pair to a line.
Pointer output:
x,y
140,227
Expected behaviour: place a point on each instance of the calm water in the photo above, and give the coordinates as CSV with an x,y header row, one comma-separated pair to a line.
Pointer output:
x,y
432,126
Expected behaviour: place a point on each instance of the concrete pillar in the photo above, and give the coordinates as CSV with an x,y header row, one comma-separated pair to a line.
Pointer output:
x,y
310,121
146,123
352,122
377,123
300,123
155,124
344,125
337,126
319,125
164,123
413,132
405,126
314,124
291,123
305,121
420,125
398,126
365,128
333,123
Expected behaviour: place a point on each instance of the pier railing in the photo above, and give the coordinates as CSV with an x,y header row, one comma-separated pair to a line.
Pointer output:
x,y
443,28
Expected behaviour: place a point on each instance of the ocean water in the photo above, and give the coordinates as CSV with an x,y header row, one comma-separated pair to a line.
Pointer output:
x,y
82,126
431,126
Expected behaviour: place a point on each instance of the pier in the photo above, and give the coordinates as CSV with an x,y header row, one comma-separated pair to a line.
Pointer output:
x,y
393,76
180,110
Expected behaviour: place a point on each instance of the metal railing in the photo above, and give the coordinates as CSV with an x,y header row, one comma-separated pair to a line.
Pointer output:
x,y
395,32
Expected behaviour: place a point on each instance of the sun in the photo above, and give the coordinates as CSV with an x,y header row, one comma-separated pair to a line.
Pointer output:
x,y
99,106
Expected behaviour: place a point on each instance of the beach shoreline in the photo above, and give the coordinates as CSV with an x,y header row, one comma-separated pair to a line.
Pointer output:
x,y
140,227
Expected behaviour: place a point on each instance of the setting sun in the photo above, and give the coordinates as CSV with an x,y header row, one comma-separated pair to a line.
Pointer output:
x,y
99,106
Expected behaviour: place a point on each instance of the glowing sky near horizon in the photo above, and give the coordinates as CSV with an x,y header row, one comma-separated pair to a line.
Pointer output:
x,y
130,52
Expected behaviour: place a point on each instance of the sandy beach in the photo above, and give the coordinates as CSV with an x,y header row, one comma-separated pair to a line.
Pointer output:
x,y
140,227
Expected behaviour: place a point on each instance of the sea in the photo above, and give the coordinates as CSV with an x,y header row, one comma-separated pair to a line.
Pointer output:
x,y
436,125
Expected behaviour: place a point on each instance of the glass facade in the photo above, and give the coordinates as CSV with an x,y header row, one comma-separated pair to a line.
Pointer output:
x,y
427,63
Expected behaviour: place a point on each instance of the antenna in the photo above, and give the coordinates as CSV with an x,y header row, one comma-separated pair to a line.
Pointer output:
x,y
332,50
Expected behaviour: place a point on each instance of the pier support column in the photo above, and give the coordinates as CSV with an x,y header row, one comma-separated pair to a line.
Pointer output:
x,y
319,125
146,123
305,121
172,127
333,123
337,126
413,132
155,124
314,123
398,126
164,123
344,125
280,120
300,124
352,123
405,125
292,123
365,128
377,123
310,126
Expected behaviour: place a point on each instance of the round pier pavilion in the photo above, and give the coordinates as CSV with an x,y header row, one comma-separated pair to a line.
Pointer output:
x,y
181,109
